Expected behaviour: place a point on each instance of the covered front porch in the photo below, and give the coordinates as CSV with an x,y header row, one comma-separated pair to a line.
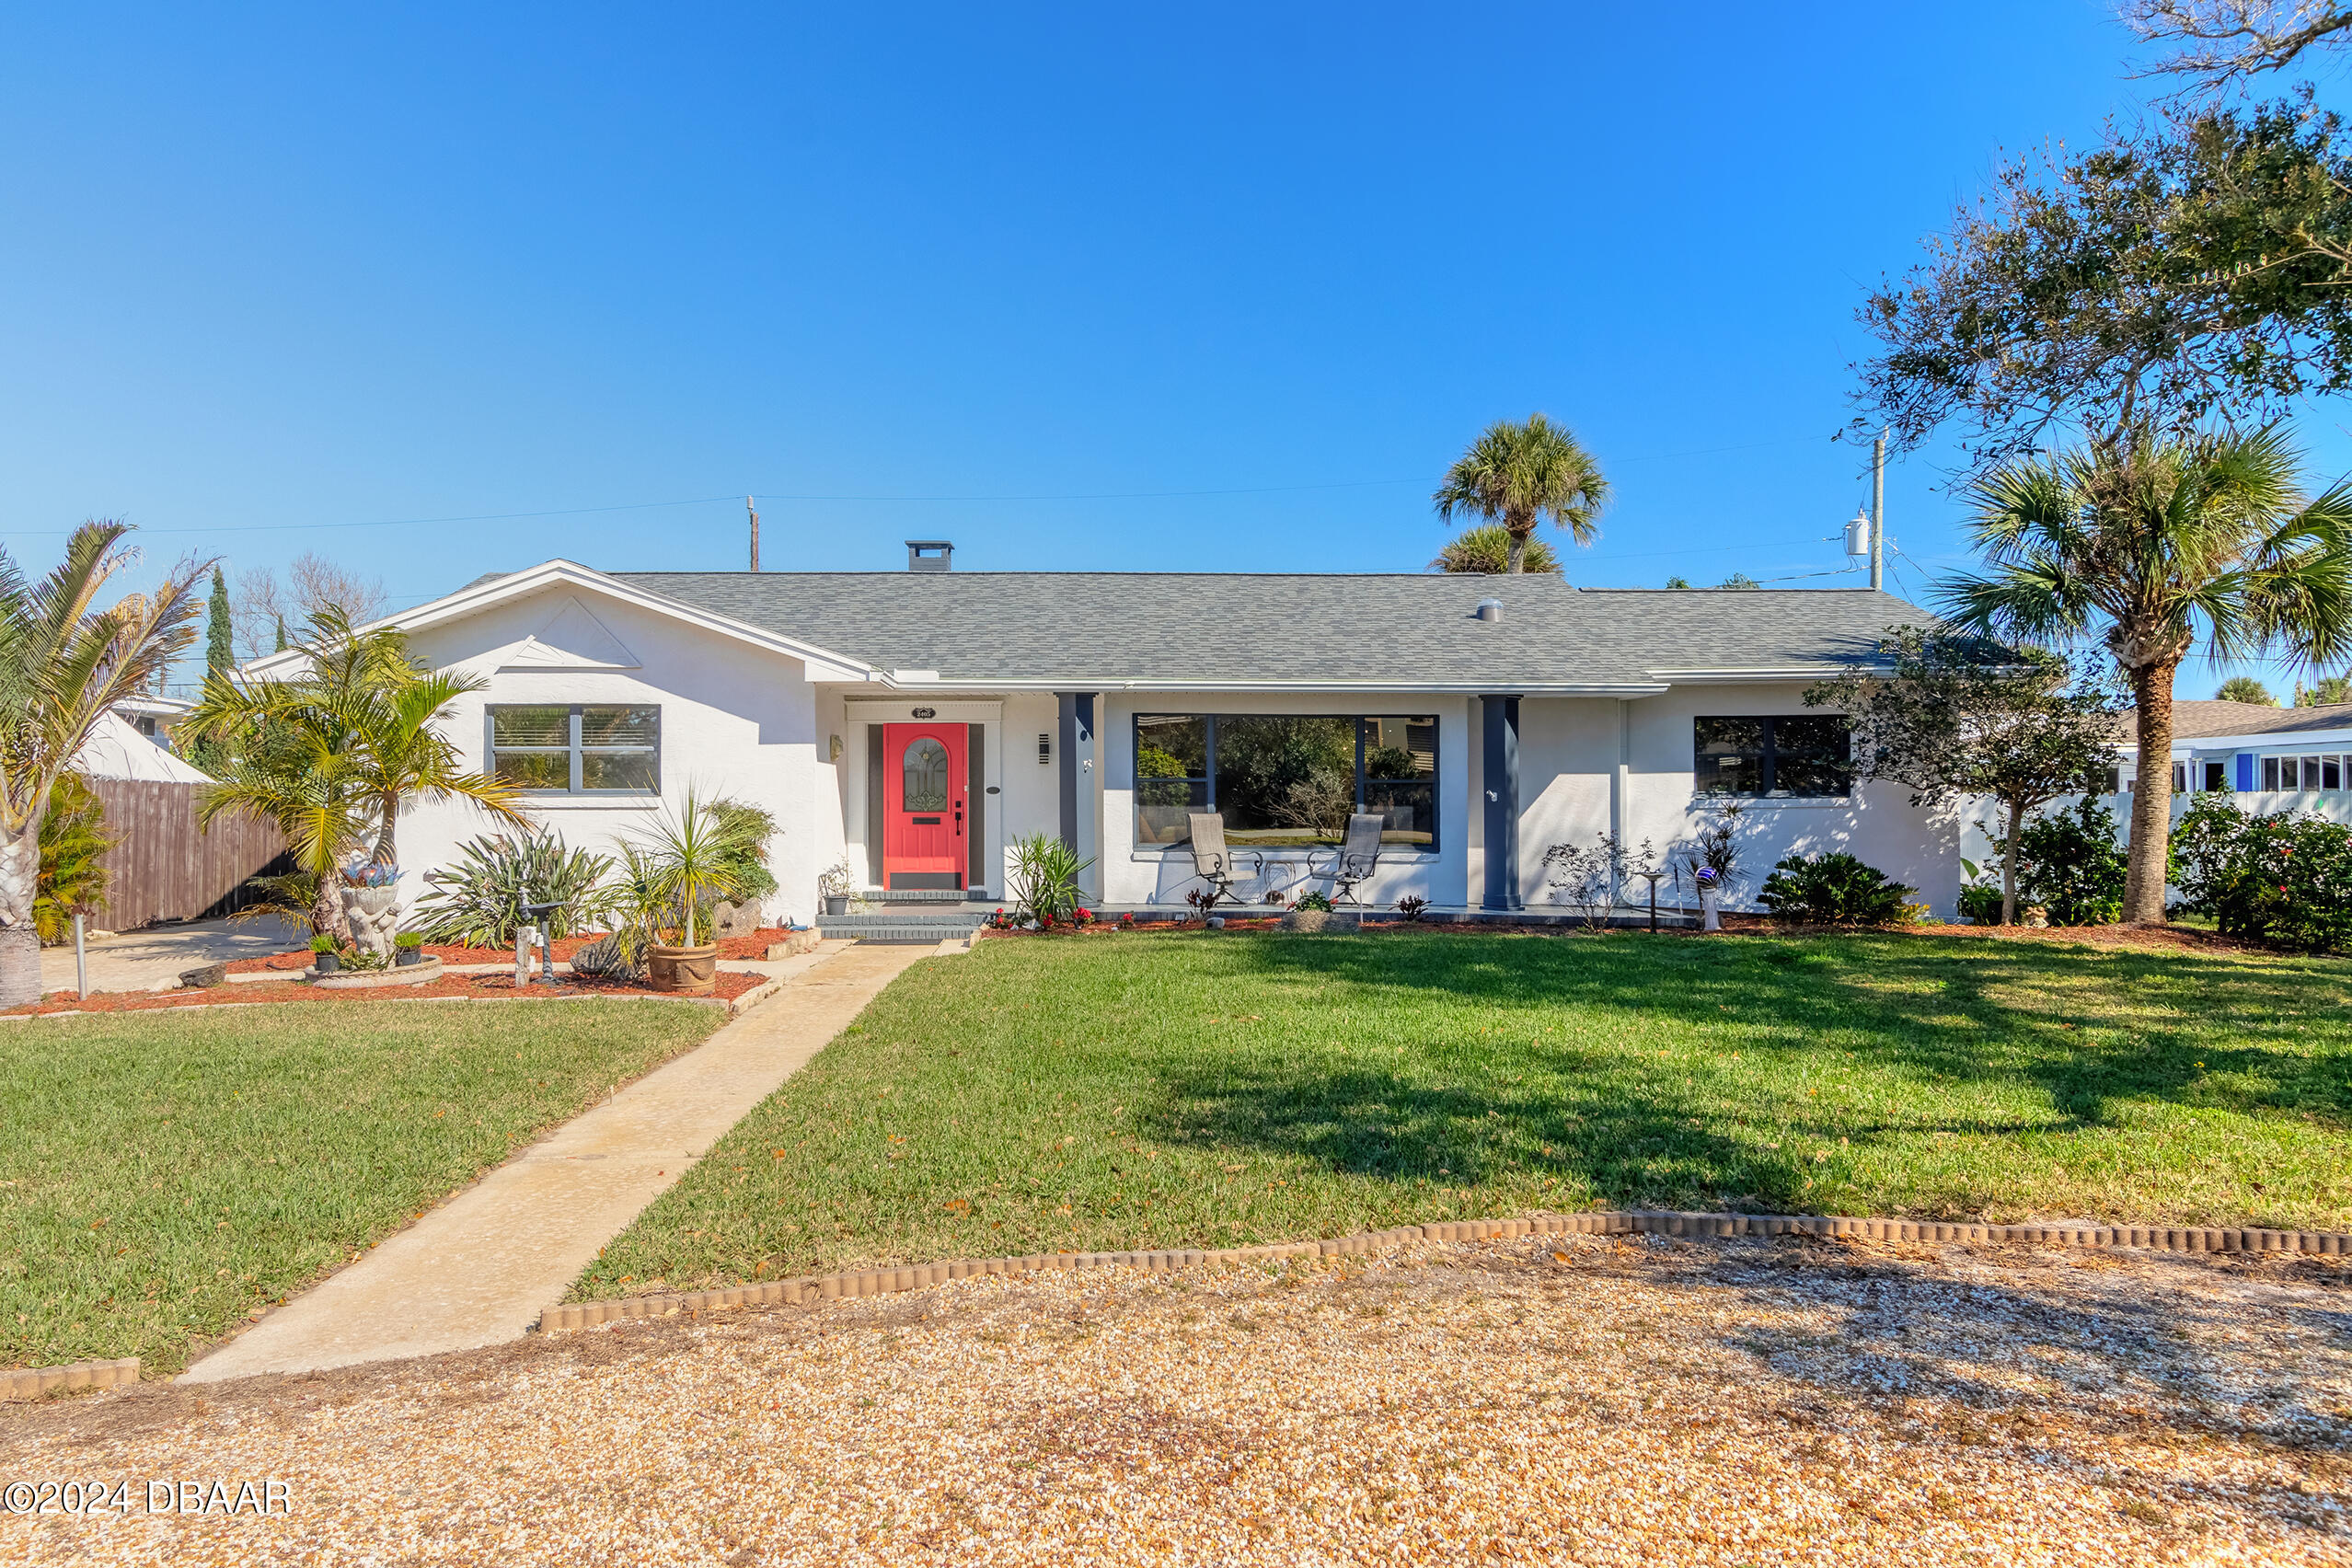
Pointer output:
x,y
935,793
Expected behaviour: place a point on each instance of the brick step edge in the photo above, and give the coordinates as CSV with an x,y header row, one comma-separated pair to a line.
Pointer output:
x,y
39,1380
1656,1222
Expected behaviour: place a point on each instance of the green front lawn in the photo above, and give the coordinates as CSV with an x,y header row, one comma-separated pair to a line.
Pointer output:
x,y
165,1174
1159,1091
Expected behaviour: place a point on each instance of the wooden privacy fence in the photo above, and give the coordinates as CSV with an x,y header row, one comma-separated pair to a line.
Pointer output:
x,y
165,866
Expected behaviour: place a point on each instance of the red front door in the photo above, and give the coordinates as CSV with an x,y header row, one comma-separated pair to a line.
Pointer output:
x,y
923,805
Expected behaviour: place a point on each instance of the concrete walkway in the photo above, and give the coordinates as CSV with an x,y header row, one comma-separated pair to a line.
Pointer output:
x,y
480,1269
151,960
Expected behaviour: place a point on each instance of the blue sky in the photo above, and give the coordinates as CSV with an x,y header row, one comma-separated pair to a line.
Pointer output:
x,y
1191,289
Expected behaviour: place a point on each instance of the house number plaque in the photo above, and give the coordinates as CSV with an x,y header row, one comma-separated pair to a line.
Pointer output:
x,y
927,713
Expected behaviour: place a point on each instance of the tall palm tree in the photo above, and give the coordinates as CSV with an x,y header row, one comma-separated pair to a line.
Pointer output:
x,y
2155,543
333,754
1517,475
62,665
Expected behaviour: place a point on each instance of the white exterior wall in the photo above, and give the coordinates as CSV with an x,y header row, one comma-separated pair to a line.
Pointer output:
x,y
1879,826
1145,874
735,721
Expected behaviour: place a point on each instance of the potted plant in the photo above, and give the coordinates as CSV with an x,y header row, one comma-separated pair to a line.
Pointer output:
x,y
684,862
1311,913
407,949
324,959
834,886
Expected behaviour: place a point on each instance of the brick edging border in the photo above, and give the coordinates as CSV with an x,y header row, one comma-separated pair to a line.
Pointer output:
x,y
1656,1222
30,1384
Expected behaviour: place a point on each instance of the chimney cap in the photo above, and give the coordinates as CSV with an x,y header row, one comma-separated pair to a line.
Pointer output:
x,y
929,555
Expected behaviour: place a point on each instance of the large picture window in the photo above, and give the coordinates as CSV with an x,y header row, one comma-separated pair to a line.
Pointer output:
x,y
578,750
1809,755
1284,780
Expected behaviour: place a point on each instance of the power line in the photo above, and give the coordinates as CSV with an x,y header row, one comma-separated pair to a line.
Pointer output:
x,y
847,497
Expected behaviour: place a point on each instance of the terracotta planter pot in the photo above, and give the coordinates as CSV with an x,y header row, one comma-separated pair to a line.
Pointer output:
x,y
689,972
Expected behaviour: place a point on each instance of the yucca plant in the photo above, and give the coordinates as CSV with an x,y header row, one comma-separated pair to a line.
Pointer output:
x,y
478,901
1046,878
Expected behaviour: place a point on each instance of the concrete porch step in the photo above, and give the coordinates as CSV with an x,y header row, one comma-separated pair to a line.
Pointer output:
x,y
911,923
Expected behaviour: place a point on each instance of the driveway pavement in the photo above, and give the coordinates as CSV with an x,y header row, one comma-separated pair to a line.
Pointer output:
x,y
151,960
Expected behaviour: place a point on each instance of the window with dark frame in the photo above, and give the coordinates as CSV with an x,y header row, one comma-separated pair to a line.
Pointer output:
x,y
1285,780
579,749
1773,756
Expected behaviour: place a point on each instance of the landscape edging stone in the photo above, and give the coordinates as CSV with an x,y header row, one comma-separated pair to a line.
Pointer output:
x,y
807,1290
31,1383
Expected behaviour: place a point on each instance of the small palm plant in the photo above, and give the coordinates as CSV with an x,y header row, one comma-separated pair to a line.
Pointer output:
x,y
692,856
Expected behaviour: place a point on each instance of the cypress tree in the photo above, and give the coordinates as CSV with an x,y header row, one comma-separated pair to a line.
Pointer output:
x,y
219,651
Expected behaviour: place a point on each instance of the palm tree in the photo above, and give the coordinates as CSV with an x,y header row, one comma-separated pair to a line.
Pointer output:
x,y
2244,688
1517,475
63,665
2156,543
1487,548
333,754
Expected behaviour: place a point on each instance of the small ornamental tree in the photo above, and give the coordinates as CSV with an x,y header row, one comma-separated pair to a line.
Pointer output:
x,y
1958,718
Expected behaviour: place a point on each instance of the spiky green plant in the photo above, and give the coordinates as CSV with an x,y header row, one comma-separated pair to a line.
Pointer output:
x,y
685,860
477,899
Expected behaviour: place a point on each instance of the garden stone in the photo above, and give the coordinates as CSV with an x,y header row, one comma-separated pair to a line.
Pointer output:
x,y
205,976
1307,921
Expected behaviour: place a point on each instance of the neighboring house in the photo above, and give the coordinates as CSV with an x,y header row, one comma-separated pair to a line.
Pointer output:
x,y
917,723
2274,759
157,718
118,748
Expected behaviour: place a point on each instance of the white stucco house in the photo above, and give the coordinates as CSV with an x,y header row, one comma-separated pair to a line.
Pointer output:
x,y
914,723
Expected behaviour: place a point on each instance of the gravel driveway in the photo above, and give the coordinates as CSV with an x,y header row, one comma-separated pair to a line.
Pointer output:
x,y
1544,1400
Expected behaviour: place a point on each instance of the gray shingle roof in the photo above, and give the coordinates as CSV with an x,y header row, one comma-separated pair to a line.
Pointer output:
x,y
2204,720
1348,629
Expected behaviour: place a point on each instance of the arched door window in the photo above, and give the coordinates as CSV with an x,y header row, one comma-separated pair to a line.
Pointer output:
x,y
926,777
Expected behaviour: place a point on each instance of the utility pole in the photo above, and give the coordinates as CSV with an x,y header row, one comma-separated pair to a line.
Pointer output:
x,y
1877,511
753,511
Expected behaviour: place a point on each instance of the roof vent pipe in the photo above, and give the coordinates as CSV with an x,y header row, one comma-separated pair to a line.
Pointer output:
x,y
1489,610
929,555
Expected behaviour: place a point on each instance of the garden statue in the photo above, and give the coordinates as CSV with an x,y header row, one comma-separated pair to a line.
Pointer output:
x,y
1710,887
371,896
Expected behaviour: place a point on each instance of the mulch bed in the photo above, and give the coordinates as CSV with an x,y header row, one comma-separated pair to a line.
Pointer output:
x,y
482,988
755,945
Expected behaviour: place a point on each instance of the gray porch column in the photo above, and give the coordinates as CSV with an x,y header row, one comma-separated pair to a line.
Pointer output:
x,y
1077,736
1502,782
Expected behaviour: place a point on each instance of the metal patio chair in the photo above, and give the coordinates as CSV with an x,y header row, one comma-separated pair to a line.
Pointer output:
x,y
1359,856
1215,864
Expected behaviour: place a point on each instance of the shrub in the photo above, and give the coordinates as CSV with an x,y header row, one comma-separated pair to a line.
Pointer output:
x,y
744,832
408,940
73,876
2284,878
2073,867
322,943
1410,907
477,902
1313,901
1980,903
1833,890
